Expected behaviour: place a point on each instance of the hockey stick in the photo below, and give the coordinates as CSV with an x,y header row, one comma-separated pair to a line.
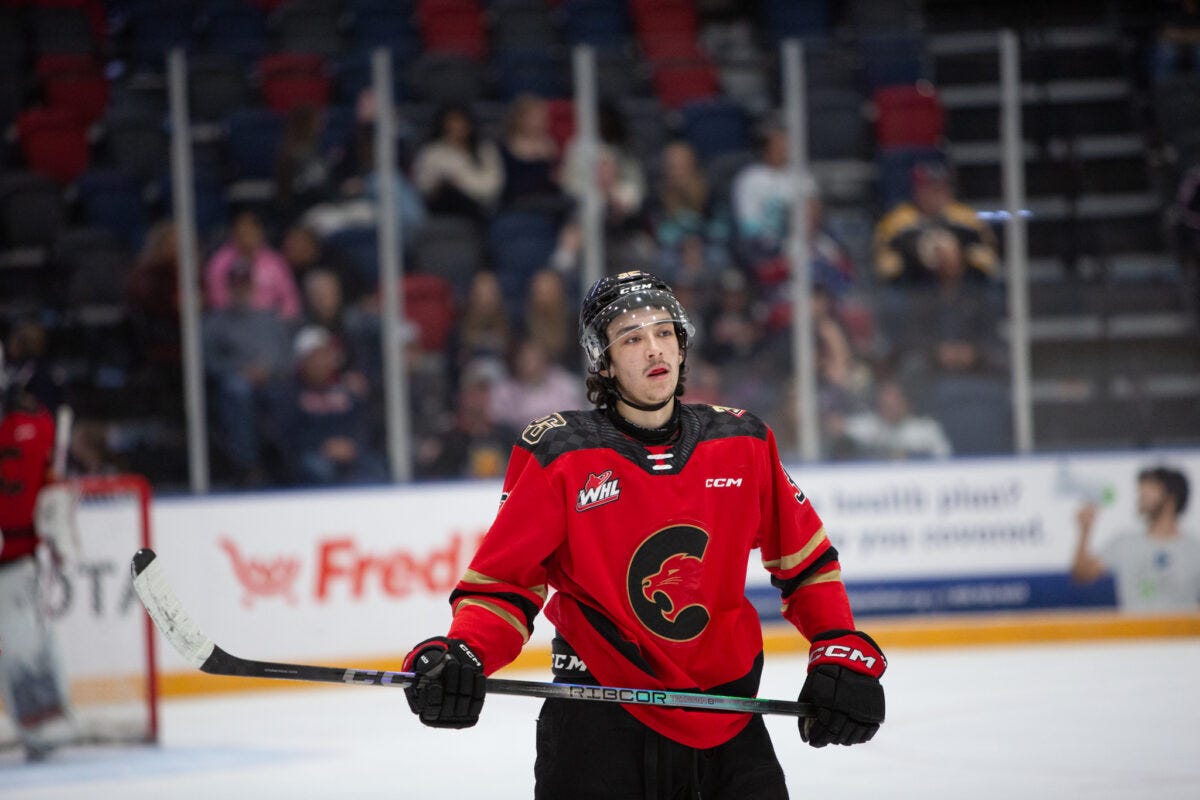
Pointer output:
x,y
177,626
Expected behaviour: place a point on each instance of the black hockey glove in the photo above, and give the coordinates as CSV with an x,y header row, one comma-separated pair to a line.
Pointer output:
x,y
844,668
449,690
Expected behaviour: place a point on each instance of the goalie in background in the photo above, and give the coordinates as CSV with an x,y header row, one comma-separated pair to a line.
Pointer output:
x,y
1156,569
33,513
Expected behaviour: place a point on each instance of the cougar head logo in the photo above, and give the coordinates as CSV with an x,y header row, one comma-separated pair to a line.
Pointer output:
x,y
665,582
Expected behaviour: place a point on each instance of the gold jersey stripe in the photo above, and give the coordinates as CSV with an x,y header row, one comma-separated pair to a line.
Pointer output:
x,y
820,577
507,616
471,576
800,556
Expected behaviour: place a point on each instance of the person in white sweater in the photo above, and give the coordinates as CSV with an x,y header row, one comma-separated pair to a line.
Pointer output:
x,y
457,172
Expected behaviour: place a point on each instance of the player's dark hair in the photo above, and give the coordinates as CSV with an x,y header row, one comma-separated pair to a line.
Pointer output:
x,y
1173,481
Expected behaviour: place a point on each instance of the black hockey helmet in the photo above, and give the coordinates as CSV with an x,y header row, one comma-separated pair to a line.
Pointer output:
x,y
612,296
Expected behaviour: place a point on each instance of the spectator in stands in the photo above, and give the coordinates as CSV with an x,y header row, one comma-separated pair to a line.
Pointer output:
x,y
273,287
483,328
1176,45
324,308
472,444
1185,223
530,156
891,430
457,172
534,387
90,449
548,318
912,237
305,252
682,203
617,173
325,427
304,171
153,293
762,195
27,363
947,328
1155,570
735,326
246,351
845,378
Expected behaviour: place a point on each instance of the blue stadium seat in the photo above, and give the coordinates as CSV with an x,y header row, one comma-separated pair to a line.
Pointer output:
x,y
538,72
253,136
600,23
236,30
157,28
715,127
112,199
352,74
386,27
799,19
520,243
890,59
361,246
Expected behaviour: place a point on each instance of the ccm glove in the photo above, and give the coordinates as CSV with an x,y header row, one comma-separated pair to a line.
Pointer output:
x,y
844,668
450,685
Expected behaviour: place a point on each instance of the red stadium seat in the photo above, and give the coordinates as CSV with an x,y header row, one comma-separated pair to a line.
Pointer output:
x,y
53,142
75,82
908,116
679,82
562,121
453,26
429,304
290,80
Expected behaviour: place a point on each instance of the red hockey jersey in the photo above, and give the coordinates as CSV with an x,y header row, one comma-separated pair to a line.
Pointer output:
x,y
646,549
26,448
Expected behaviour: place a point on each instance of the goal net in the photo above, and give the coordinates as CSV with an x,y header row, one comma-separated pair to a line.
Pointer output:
x,y
104,636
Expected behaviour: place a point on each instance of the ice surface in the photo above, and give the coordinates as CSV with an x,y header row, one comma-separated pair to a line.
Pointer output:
x,y
1096,720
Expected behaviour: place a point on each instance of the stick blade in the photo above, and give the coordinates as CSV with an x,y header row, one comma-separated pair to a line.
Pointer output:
x,y
169,615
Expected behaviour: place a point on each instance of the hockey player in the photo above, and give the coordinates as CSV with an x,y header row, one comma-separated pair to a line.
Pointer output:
x,y
641,514
31,679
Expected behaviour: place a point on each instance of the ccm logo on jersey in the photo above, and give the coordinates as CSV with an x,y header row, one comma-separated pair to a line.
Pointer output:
x,y
598,490
719,482
841,651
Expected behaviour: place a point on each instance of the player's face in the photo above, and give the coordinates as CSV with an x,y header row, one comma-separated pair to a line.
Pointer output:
x,y
1152,498
644,355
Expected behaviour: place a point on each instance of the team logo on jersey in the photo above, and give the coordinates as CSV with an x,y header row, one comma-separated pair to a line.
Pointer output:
x,y
664,583
737,412
598,490
535,430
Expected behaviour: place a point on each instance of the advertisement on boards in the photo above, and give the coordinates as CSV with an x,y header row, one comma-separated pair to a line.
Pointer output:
x,y
367,572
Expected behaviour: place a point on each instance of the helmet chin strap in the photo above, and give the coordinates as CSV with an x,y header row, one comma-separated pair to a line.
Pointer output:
x,y
639,406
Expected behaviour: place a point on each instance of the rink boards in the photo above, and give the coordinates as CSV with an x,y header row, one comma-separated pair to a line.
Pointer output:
x,y
966,551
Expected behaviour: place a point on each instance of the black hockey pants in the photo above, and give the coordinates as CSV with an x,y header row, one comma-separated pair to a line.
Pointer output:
x,y
598,751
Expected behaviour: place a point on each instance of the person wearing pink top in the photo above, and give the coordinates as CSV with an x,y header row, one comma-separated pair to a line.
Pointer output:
x,y
274,286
